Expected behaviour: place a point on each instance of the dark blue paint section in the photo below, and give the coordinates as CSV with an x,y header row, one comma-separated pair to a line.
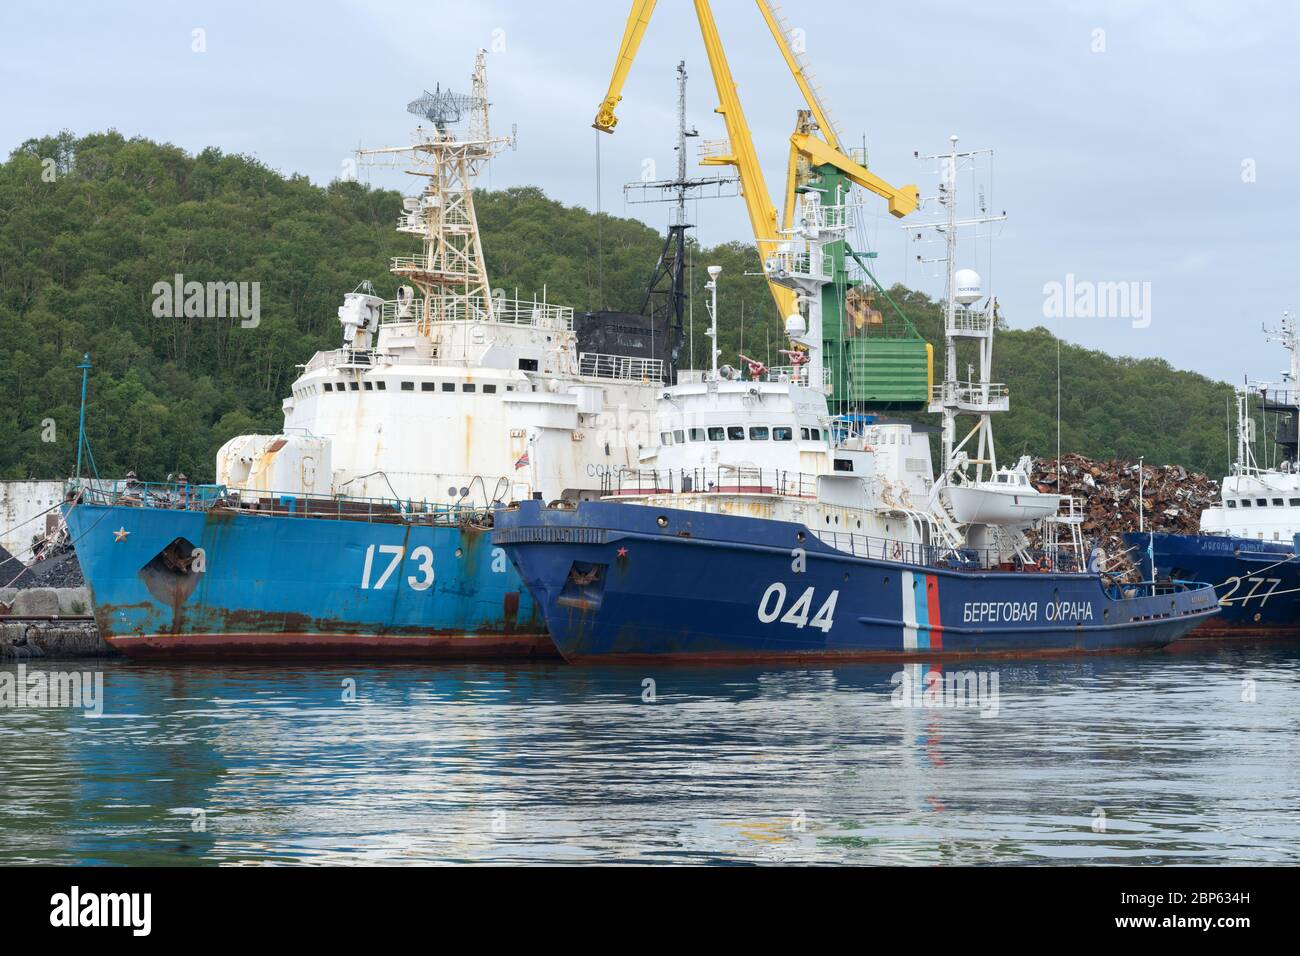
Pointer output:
x,y
1257,582
618,580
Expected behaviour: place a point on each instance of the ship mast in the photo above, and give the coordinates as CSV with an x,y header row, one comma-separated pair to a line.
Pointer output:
x,y
665,295
449,275
957,396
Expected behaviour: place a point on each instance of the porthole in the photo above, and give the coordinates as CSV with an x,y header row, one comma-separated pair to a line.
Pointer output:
x,y
662,521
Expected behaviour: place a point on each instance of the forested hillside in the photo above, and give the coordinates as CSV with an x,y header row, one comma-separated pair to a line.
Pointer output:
x,y
89,225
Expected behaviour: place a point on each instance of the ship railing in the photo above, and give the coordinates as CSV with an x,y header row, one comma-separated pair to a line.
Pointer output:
x,y
787,373
992,396
1128,590
622,367
803,265
970,322
718,480
183,496
817,216
950,558
459,309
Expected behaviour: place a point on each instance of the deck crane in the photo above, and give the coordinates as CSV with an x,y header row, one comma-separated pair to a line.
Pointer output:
x,y
897,377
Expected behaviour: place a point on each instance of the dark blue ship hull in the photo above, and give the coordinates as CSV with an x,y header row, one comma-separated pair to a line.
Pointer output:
x,y
1257,582
619,581
277,585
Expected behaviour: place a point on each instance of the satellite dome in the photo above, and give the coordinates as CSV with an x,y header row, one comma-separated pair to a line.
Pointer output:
x,y
795,326
967,286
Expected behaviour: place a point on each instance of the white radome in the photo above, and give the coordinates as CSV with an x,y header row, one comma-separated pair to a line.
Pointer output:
x,y
968,285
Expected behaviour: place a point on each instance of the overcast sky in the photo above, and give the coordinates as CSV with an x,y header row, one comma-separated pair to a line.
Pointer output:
x,y
1137,142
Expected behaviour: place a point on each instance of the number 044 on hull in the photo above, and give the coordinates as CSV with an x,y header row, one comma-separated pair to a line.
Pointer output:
x,y
631,582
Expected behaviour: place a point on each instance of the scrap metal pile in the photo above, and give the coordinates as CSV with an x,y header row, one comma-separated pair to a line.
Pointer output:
x,y
1173,497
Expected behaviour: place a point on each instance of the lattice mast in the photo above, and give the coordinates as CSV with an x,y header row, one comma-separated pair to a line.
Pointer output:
x,y
665,295
956,396
450,275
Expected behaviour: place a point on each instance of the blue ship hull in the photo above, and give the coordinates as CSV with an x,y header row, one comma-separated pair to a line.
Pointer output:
x,y
298,586
631,582
1257,582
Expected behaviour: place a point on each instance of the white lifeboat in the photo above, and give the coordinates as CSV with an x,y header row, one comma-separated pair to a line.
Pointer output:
x,y
1008,498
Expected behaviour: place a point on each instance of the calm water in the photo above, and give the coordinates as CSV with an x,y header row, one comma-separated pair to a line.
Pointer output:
x,y
551,763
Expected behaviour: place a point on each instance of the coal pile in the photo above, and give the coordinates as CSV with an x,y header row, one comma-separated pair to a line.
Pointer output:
x,y
1173,497
59,569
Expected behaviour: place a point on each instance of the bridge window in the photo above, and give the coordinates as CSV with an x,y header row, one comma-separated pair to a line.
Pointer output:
x,y
1277,502
528,365
783,433
1295,502
370,386
489,389
1245,502
382,386
735,433
469,387
329,387
427,386
1231,503
758,433
665,438
697,434
717,434
843,464
449,386
803,434
1262,502
408,386
816,434
355,386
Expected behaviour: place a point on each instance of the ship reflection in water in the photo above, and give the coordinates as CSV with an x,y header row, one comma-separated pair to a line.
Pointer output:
x,y
1119,760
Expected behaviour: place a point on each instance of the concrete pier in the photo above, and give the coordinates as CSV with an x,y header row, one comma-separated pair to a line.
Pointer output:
x,y
49,623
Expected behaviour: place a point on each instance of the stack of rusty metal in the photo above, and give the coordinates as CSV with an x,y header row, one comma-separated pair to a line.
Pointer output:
x,y
1172,496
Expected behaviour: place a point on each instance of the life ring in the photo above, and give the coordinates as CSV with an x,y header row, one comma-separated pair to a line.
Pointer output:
x,y
1044,563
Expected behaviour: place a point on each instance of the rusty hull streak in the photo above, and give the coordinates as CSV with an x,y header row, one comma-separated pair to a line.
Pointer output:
x,y
1214,632
847,657
336,646
196,633
269,634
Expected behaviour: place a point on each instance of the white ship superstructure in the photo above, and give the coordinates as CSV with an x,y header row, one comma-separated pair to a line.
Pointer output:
x,y
768,446
451,391
1256,502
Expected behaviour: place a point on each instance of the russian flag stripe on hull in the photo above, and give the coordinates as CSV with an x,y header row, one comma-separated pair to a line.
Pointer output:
x,y
936,620
922,628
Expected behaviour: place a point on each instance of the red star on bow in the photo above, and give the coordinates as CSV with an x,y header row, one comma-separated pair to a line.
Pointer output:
x,y
622,552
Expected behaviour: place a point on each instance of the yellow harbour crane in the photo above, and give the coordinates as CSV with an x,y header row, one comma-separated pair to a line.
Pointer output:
x,y
815,147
